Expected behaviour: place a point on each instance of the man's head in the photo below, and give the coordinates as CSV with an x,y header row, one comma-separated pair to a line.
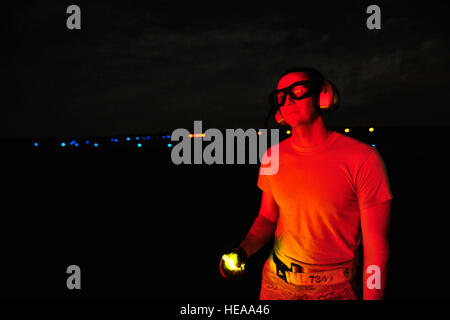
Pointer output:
x,y
297,96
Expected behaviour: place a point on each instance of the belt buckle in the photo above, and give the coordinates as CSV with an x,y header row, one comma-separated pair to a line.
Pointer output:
x,y
281,271
296,268
282,268
281,274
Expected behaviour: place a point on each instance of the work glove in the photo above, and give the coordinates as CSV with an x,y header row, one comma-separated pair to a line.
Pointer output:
x,y
232,264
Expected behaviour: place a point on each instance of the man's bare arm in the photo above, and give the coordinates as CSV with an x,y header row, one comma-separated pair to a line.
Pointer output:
x,y
375,232
263,227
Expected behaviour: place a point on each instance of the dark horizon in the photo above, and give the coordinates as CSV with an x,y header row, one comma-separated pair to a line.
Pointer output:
x,y
149,67
424,128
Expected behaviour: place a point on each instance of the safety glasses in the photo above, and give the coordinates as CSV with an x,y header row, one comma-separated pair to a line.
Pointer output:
x,y
297,91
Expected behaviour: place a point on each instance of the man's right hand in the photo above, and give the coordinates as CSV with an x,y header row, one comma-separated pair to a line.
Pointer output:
x,y
232,264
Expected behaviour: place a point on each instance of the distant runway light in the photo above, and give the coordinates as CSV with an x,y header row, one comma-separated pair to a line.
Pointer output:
x,y
63,144
373,145
288,131
371,129
346,130
36,144
169,145
128,138
95,144
139,145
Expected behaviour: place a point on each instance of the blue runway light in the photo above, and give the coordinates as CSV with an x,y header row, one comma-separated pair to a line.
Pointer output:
x,y
169,145
128,138
96,144
373,145
87,141
63,144
36,144
139,145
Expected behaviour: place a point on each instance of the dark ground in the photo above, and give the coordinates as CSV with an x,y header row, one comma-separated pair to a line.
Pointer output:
x,y
141,227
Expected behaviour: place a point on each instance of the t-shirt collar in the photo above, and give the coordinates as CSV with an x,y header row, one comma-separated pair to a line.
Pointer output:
x,y
317,148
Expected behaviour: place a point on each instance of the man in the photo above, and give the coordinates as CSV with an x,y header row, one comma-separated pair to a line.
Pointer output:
x,y
330,190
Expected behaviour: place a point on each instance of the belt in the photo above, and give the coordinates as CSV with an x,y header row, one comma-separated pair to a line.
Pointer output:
x,y
298,275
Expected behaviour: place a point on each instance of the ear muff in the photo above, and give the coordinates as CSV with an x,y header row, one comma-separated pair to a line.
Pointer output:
x,y
329,97
279,118
328,101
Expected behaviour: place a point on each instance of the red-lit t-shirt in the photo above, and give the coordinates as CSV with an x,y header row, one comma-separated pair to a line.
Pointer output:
x,y
320,192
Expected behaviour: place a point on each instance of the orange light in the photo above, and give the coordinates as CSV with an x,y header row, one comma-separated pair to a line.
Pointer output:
x,y
259,133
347,130
196,135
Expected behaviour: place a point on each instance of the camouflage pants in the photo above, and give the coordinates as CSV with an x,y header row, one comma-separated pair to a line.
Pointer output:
x,y
274,288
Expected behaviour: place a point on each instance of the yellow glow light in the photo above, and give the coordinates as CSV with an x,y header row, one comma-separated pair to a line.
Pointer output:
x,y
230,262
347,130
371,129
288,132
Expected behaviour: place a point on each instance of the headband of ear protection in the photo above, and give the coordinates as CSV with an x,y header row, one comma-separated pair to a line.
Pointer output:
x,y
325,90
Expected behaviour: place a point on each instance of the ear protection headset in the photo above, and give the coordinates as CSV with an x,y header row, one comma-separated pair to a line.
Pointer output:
x,y
326,93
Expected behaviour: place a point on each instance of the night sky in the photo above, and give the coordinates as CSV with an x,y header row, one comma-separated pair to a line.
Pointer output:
x,y
143,67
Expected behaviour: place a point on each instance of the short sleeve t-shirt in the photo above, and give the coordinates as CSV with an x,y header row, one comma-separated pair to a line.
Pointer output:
x,y
320,192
